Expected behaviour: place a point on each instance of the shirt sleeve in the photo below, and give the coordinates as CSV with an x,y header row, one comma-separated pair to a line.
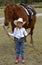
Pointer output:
x,y
12,34
25,32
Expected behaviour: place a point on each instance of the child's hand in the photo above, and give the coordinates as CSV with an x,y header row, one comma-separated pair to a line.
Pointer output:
x,y
8,33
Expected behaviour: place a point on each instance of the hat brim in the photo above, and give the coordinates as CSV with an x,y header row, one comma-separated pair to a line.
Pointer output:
x,y
16,21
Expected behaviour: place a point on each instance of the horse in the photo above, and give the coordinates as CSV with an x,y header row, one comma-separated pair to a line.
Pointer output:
x,y
13,12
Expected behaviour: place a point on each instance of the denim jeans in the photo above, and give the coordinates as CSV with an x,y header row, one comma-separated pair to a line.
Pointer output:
x,y
19,47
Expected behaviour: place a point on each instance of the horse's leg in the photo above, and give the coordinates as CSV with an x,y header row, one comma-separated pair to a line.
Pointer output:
x,y
12,26
32,35
25,39
32,27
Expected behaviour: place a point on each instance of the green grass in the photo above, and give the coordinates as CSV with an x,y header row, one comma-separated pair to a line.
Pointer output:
x,y
38,10
1,12
33,56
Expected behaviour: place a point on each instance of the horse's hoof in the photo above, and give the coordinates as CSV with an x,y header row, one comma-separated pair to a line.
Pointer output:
x,y
32,45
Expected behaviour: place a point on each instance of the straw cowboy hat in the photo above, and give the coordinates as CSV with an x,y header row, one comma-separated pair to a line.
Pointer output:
x,y
19,20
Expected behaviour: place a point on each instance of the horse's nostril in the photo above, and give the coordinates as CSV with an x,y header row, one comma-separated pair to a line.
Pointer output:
x,y
6,24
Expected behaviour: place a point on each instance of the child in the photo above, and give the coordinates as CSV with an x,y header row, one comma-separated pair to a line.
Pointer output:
x,y
19,34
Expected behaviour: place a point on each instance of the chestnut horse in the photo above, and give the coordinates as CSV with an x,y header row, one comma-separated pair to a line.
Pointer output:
x,y
13,12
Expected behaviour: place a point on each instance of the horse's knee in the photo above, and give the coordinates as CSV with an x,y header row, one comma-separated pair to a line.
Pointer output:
x,y
31,33
25,39
12,29
32,30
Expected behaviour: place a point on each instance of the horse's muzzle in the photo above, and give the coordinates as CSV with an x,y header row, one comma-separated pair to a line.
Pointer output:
x,y
6,24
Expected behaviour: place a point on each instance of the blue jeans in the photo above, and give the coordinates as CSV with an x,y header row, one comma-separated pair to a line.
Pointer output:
x,y
19,47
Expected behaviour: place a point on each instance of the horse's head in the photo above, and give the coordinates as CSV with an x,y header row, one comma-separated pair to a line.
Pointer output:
x,y
9,14
6,13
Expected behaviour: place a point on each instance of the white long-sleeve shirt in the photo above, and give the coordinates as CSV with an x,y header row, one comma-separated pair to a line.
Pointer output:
x,y
18,33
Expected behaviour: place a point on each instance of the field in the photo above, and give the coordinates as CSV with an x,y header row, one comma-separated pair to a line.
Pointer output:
x,y
1,12
32,56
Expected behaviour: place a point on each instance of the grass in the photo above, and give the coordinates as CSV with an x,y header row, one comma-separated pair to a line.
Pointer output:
x,y
33,56
1,12
39,10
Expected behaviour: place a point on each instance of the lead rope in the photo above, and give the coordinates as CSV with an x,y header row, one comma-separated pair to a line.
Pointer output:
x,y
7,33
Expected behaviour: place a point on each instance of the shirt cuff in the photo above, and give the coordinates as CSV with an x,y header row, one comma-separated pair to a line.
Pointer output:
x,y
26,34
11,34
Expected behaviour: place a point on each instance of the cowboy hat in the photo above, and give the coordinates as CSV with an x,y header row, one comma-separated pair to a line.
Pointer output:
x,y
19,20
